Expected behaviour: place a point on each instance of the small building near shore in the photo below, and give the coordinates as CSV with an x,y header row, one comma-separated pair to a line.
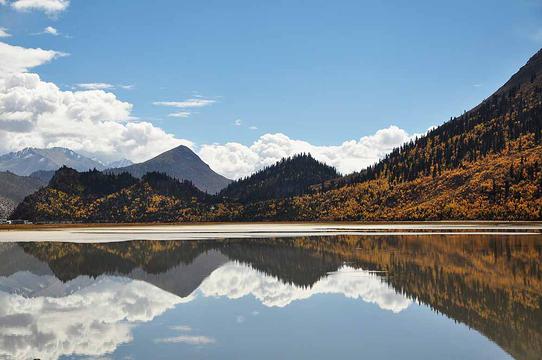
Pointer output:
x,y
20,222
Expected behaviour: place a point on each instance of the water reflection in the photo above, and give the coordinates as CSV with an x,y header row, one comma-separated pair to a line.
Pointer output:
x,y
87,299
235,280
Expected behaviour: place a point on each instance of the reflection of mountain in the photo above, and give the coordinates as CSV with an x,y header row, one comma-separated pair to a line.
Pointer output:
x,y
492,284
278,258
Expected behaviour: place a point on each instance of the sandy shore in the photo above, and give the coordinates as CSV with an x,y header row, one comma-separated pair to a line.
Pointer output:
x,y
114,233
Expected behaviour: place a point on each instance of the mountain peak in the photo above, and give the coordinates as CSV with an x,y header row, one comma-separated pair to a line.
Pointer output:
x,y
526,74
180,163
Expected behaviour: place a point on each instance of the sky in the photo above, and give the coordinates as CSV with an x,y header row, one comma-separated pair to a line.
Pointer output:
x,y
244,83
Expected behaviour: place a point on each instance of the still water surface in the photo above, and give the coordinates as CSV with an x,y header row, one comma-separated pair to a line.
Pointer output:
x,y
311,297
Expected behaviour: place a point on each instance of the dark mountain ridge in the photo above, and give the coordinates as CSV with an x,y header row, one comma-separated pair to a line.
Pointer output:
x,y
289,177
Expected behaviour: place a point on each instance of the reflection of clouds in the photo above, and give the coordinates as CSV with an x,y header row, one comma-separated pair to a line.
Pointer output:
x,y
234,281
187,339
92,316
42,317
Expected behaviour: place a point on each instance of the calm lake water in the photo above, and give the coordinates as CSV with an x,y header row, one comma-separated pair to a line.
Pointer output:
x,y
303,297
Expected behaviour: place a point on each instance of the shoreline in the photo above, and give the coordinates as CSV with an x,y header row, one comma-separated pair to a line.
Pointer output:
x,y
384,223
96,233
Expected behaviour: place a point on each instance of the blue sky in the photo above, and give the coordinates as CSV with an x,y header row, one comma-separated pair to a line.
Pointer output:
x,y
320,71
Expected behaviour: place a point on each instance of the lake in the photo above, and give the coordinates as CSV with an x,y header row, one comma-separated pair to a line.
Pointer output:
x,y
452,291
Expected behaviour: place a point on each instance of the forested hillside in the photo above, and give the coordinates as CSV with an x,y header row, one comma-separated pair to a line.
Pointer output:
x,y
289,177
94,196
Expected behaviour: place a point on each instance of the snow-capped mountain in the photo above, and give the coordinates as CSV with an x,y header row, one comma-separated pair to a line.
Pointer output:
x,y
29,160
118,163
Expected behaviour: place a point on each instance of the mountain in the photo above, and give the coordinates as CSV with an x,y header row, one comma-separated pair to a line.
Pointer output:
x,y
180,163
30,160
13,189
483,165
289,177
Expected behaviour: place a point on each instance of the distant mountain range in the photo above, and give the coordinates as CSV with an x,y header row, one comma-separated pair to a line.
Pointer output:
x,y
34,160
23,172
180,163
30,160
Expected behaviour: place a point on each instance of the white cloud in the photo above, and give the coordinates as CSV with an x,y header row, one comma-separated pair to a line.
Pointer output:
x,y
234,280
253,128
37,113
187,339
238,122
4,32
127,86
190,103
51,31
235,160
196,102
180,114
95,86
50,7
16,59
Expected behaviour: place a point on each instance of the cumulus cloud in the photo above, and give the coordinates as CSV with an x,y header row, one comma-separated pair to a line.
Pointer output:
x,y
37,113
50,7
235,160
4,32
17,59
95,86
234,281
